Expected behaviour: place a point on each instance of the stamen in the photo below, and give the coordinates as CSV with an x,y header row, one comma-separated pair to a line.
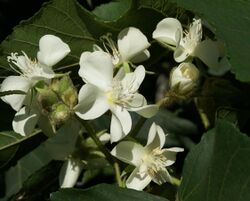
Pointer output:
x,y
110,46
155,162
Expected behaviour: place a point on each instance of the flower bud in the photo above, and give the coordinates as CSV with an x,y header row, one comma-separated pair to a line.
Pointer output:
x,y
184,78
60,113
65,90
46,99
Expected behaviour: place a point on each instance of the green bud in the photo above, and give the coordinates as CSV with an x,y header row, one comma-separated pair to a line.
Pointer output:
x,y
60,113
46,99
65,90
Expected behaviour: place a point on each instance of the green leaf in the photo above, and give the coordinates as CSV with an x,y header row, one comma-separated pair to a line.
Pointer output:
x,y
57,17
63,143
113,10
8,146
218,167
10,142
231,22
104,192
39,185
165,7
25,167
131,13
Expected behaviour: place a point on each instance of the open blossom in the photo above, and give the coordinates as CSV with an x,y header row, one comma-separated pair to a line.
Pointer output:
x,y
150,161
188,43
131,46
51,50
103,92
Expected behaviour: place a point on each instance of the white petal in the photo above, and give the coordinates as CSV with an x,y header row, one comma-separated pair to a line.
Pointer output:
x,y
162,176
161,135
208,52
180,54
99,107
120,74
132,81
25,121
51,50
86,98
137,101
116,132
165,31
136,181
91,103
131,42
146,111
156,137
124,118
129,152
69,173
84,56
170,154
46,72
15,83
97,68
141,57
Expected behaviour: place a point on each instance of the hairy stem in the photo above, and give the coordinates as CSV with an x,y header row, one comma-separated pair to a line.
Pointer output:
x,y
99,144
104,150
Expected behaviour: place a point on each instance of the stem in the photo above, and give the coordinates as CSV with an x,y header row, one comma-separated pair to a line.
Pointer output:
x,y
166,101
99,144
175,181
118,174
104,150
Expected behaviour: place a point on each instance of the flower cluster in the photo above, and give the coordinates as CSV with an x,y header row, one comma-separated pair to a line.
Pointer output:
x,y
111,86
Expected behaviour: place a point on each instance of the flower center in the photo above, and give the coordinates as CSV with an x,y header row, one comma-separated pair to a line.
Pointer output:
x,y
27,67
119,94
155,161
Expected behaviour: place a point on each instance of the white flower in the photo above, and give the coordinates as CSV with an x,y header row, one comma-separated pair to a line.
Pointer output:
x,y
150,161
185,77
102,92
169,32
131,46
51,50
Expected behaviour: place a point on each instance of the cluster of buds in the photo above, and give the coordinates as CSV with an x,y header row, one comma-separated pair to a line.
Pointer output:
x,y
57,100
